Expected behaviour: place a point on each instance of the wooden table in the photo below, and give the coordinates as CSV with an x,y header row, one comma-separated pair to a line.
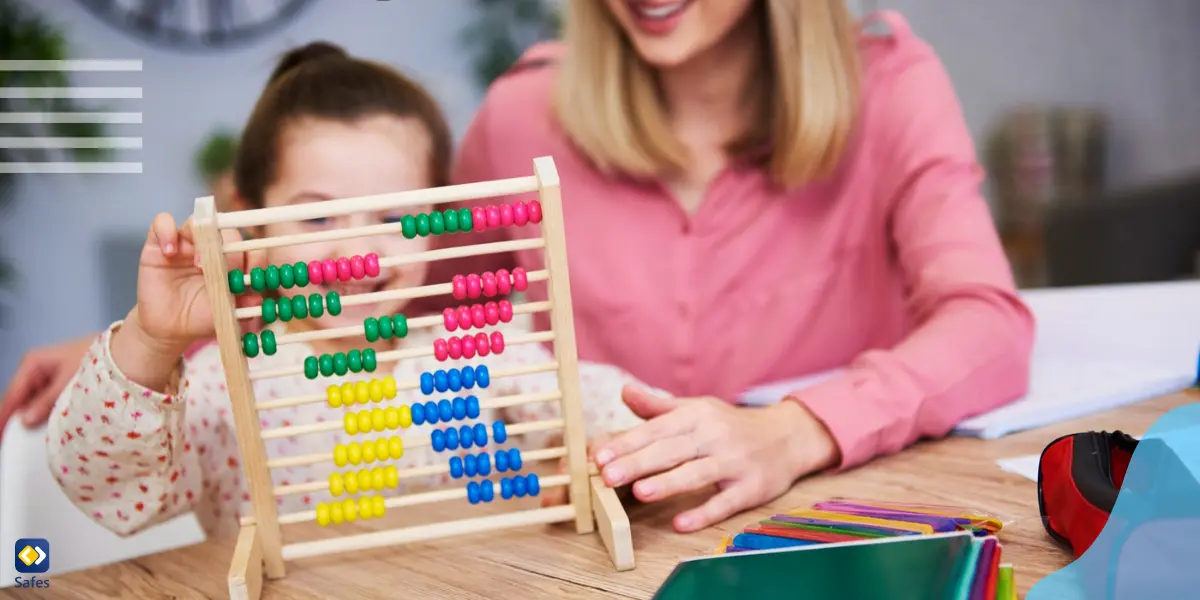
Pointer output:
x,y
556,563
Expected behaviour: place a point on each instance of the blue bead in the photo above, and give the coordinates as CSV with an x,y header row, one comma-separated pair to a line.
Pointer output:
x,y
431,412
468,377
456,467
470,466
531,482
464,436
460,409
499,434
472,407
418,413
451,438
445,410
439,380
482,377
501,461
506,488
454,378
473,492
427,383
480,431
483,464
519,488
486,491
437,439
514,459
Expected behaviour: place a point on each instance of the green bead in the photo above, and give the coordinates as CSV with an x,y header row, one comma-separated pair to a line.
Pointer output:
x,y
385,327
300,271
465,223
408,226
258,279
422,225
285,310
333,303
354,361
250,344
268,311
450,217
237,281
436,225
368,360
326,365
400,325
315,309
268,342
340,364
287,276
310,367
371,329
272,277
300,307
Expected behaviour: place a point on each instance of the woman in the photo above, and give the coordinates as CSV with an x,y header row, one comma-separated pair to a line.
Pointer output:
x,y
755,190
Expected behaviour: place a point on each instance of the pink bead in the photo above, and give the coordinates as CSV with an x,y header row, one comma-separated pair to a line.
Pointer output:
x,y
535,212
329,270
449,320
506,215
491,313
497,342
344,269
481,344
358,267
503,282
489,284
479,218
519,279
454,348
315,273
468,347
479,317
493,216
459,283
464,317
440,350
520,214
371,265
506,311
474,286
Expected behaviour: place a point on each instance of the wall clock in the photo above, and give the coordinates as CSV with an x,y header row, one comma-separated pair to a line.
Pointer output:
x,y
197,24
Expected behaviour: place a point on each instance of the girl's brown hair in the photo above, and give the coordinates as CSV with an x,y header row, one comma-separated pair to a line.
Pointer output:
x,y
320,80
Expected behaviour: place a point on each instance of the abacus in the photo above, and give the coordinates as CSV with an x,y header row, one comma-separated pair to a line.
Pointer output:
x,y
260,552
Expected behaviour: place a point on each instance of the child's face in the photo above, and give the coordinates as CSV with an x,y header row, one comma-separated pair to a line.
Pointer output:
x,y
322,159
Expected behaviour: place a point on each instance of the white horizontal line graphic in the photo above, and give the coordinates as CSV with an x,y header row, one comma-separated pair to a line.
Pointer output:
x,y
70,65
71,168
107,93
112,118
46,143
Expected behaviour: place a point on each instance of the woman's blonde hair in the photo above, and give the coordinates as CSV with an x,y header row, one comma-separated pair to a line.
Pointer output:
x,y
608,103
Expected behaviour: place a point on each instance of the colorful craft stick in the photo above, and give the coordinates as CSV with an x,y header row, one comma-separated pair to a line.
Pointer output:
x,y
800,533
754,541
845,518
1006,588
836,527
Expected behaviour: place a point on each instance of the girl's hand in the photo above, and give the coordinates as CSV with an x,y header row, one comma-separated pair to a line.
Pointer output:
x,y
752,455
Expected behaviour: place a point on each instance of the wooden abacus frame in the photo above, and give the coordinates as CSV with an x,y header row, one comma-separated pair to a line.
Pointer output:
x,y
260,549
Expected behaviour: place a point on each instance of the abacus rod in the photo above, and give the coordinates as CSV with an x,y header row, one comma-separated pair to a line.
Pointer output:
x,y
414,472
411,384
419,442
345,206
410,293
525,308
432,531
404,259
485,404
398,355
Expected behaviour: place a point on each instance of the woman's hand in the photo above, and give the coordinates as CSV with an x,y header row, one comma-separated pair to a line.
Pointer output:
x,y
559,495
40,379
752,455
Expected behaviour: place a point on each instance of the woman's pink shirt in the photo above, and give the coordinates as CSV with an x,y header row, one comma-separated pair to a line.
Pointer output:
x,y
892,266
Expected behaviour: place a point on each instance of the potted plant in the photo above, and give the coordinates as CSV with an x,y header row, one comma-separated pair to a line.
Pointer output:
x,y
214,166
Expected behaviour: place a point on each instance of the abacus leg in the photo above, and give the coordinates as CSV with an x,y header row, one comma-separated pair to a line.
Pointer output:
x,y
613,524
246,570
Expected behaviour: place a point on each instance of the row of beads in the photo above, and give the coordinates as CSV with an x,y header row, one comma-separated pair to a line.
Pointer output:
x,y
500,283
477,315
468,346
250,343
481,464
365,480
385,327
301,307
368,451
465,437
303,274
348,510
361,392
445,410
454,380
464,219
339,364
519,487
377,419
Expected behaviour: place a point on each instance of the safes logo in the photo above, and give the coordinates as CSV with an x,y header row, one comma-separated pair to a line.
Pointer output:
x,y
33,555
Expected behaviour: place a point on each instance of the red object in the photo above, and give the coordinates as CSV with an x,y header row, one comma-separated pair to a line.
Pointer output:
x,y
506,215
481,344
464,317
478,316
329,270
440,350
344,271
493,216
315,273
474,286
1079,476
506,311
490,285
371,265
520,214
535,212
449,320
490,313
358,267
459,284
479,218
503,282
519,279
468,347
454,348
497,345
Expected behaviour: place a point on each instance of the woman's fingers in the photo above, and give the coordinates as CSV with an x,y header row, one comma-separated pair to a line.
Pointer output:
x,y
688,477
726,503
678,420
656,457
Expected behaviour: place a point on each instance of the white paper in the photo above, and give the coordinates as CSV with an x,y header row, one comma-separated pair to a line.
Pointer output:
x,y
771,393
1025,466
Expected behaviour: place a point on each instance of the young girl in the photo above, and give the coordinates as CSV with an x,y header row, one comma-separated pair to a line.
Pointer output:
x,y
145,434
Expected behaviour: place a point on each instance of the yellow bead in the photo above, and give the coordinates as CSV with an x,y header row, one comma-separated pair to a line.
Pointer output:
x,y
378,419
391,416
362,392
354,453
376,387
351,423
382,449
368,452
335,512
336,485
347,393
365,480
322,514
378,507
350,509
366,507
364,421
351,483
405,416
391,477
334,395
377,478
396,445
339,455
389,387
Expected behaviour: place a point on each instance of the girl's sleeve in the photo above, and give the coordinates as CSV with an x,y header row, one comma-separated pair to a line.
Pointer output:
x,y
131,457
